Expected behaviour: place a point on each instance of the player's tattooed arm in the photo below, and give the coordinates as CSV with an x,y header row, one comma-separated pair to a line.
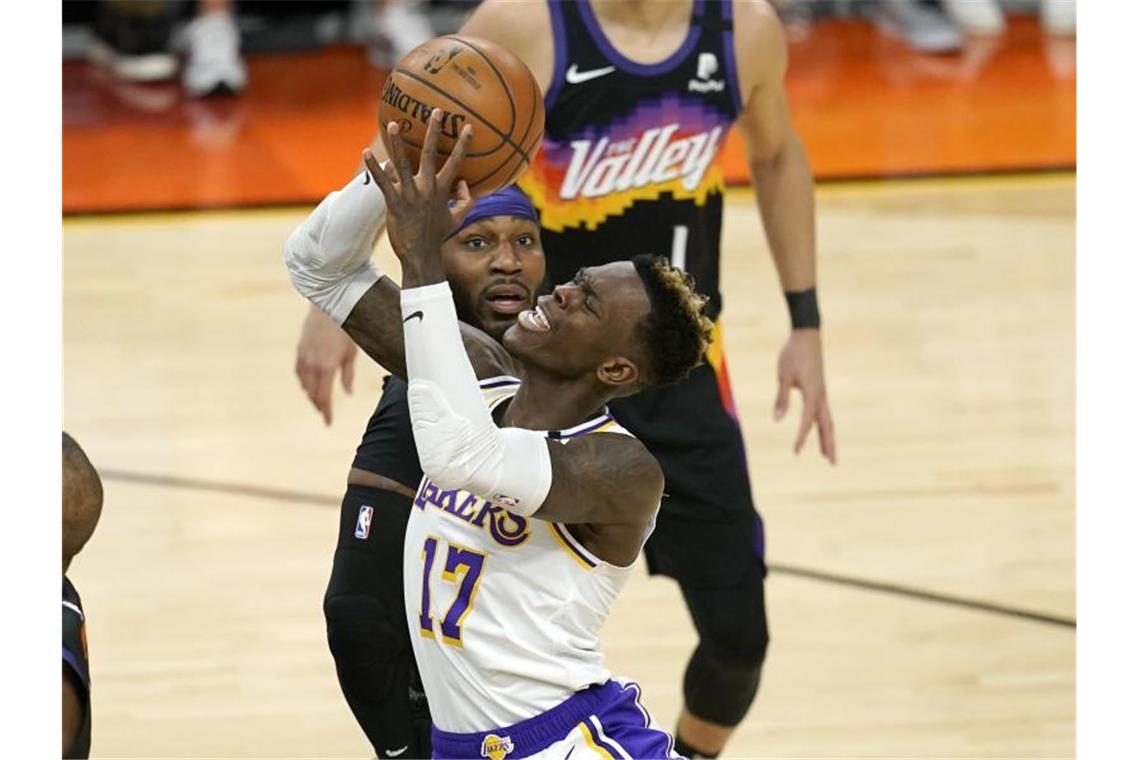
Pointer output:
x,y
419,219
375,324
611,486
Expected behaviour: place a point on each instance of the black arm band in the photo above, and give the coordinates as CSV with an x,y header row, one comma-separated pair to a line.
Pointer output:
x,y
803,308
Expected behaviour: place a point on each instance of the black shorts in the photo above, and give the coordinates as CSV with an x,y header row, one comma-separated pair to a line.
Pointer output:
x,y
703,554
691,428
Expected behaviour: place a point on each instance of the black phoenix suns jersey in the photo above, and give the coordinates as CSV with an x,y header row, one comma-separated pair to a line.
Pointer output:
x,y
630,164
630,160
75,661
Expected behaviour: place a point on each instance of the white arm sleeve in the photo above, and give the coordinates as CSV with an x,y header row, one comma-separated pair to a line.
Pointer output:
x,y
329,256
459,444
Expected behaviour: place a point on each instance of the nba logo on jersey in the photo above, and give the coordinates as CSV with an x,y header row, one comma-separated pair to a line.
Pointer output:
x,y
496,747
364,522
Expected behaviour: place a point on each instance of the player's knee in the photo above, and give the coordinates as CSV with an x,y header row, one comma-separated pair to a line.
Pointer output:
x,y
740,639
720,689
362,637
723,675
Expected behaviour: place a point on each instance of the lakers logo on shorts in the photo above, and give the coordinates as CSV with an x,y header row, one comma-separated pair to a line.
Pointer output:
x,y
496,747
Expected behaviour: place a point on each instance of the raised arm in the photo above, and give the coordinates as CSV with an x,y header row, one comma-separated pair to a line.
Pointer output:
x,y
329,258
605,480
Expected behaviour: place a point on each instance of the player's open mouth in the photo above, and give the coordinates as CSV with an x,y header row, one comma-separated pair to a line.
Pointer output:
x,y
507,299
534,320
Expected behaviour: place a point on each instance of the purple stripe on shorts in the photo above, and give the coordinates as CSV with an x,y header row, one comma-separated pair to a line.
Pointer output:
x,y
622,728
604,741
531,736
627,724
73,661
758,538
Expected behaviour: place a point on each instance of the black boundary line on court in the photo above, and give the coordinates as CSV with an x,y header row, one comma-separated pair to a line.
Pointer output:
x,y
196,484
916,593
869,180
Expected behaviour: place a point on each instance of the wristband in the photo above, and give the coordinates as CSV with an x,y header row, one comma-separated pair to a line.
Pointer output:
x,y
803,308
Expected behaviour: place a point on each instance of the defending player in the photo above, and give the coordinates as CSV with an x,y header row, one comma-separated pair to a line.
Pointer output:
x,y
495,266
640,95
82,505
510,655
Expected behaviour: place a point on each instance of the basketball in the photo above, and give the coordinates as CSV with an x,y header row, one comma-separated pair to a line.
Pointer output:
x,y
475,82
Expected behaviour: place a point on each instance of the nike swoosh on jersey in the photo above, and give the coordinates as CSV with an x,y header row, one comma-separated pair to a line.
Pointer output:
x,y
415,315
573,76
396,752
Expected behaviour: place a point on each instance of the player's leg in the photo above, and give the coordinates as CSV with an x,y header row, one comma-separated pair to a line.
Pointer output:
x,y
367,632
726,602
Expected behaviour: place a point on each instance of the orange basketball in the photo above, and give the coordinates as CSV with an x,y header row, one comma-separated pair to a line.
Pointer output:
x,y
475,82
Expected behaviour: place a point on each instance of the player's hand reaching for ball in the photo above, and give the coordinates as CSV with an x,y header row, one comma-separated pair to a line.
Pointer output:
x,y
419,215
801,366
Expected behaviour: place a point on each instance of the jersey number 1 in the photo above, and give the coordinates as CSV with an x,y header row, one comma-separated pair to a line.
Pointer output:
x,y
680,243
463,566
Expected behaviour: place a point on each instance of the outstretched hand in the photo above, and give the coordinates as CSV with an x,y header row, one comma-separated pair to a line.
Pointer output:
x,y
801,366
323,349
419,215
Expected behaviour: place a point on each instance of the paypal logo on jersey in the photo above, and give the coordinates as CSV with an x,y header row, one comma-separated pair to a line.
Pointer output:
x,y
706,66
602,167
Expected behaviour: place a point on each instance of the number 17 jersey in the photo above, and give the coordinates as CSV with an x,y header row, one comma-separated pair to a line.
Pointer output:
x,y
505,612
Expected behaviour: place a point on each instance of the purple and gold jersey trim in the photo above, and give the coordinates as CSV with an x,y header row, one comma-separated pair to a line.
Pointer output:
x,y
572,547
602,424
500,381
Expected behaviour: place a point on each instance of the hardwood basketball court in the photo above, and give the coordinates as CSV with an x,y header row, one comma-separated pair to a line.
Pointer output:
x,y
949,329
922,593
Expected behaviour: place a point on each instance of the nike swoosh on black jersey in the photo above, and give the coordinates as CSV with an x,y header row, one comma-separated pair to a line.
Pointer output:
x,y
415,314
573,76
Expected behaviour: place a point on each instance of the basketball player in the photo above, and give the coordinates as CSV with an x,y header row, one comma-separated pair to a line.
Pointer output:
x,y
82,505
640,95
495,266
506,614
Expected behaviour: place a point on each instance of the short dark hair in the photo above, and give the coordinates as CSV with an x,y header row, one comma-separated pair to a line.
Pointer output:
x,y
677,333
82,498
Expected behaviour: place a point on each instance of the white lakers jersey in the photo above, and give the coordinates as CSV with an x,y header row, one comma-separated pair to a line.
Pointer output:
x,y
505,612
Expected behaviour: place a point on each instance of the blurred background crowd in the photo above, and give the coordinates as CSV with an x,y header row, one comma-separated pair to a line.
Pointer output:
x,y
202,42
